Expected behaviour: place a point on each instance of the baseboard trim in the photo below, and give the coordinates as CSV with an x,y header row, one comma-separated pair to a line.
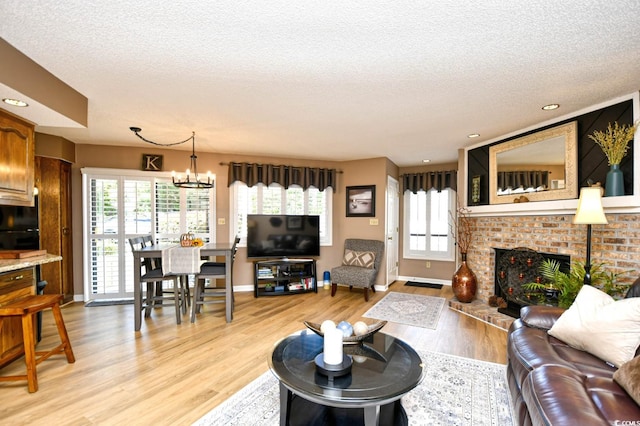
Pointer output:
x,y
425,280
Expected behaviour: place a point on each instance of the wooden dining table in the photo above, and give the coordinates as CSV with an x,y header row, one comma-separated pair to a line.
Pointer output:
x,y
156,251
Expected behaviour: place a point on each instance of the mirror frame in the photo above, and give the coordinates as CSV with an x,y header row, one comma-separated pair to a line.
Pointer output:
x,y
569,131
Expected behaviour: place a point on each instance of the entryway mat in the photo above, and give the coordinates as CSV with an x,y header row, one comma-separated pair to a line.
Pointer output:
x,y
425,285
109,302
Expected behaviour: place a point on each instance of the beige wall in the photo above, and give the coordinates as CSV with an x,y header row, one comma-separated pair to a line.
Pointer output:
x,y
362,172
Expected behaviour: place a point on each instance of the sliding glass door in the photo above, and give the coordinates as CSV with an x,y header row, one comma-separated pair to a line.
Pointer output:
x,y
121,204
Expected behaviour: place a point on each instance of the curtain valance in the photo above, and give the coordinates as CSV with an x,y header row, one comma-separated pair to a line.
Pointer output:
x,y
425,181
252,174
523,179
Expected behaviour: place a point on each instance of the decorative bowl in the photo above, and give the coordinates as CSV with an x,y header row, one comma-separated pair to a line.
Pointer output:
x,y
373,328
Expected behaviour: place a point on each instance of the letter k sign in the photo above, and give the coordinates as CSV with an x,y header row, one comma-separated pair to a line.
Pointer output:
x,y
152,162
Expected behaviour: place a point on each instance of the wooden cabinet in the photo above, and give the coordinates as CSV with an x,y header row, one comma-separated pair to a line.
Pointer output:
x,y
13,285
53,180
16,162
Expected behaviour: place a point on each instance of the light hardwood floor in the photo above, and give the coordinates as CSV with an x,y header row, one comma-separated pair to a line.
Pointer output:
x,y
174,374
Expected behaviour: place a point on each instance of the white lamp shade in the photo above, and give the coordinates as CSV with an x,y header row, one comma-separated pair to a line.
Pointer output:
x,y
590,211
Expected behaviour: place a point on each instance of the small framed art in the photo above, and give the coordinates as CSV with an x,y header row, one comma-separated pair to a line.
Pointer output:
x,y
361,201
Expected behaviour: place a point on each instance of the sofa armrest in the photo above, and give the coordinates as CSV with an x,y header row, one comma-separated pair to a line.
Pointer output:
x,y
542,317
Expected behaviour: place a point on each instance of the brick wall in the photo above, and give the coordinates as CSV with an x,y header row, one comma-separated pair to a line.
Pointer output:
x,y
617,244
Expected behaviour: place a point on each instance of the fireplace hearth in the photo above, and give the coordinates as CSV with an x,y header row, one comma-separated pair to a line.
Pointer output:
x,y
516,267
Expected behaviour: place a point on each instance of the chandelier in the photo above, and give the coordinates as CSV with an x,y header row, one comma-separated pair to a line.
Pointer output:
x,y
192,179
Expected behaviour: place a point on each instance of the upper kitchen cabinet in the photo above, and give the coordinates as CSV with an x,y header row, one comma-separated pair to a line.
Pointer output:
x,y
16,162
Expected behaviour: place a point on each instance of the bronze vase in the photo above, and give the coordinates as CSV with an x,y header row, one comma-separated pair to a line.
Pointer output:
x,y
464,282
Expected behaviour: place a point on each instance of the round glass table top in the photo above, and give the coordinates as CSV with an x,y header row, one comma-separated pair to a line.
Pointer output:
x,y
384,368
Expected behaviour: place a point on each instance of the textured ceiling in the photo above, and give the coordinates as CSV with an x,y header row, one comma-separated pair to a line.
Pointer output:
x,y
333,80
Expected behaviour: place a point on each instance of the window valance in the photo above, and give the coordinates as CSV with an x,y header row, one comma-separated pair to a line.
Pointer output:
x,y
252,174
425,181
523,179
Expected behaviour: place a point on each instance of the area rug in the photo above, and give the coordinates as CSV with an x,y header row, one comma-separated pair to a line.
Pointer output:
x,y
455,391
424,285
410,309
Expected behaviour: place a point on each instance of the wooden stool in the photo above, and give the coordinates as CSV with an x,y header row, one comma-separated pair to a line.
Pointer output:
x,y
27,307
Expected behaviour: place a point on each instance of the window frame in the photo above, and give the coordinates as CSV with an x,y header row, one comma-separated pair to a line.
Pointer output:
x,y
326,239
428,254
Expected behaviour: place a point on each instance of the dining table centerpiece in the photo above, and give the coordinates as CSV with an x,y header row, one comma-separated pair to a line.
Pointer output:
x,y
614,143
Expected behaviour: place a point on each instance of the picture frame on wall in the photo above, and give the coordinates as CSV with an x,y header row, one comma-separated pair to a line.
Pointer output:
x,y
475,189
361,201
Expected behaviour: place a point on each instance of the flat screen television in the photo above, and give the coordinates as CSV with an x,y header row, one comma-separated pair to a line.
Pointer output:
x,y
19,218
281,236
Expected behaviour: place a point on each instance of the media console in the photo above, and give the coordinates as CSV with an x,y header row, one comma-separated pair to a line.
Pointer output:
x,y
284,276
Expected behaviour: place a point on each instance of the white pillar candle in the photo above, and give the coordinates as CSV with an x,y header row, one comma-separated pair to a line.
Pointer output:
x,y
333,346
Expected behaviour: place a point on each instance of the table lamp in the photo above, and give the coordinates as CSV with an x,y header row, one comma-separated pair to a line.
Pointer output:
x,y
589,212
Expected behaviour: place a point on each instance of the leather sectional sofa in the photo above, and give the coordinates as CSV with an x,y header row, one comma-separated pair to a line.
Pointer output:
x,y
553,383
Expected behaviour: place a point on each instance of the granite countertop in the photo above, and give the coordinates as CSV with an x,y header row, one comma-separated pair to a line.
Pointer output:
x,y
7,265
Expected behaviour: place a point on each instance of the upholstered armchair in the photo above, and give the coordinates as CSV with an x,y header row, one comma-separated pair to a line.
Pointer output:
x,y
360,265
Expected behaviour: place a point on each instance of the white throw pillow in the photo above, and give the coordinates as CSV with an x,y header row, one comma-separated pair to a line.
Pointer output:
x,y
600,325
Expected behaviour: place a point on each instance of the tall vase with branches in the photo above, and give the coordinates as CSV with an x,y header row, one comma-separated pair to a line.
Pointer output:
x,y
464,281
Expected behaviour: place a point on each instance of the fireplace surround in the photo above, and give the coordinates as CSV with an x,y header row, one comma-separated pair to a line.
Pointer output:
x,y
516,267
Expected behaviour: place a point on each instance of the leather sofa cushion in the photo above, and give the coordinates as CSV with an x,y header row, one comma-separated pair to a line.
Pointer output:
x,y
543,317
530,348
555,394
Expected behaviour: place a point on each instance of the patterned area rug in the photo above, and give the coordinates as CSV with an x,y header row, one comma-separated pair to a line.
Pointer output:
x,y
411,309
455,391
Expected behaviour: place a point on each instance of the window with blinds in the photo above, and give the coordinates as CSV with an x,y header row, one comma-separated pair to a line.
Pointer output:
x,y
274,199
427,230
120,206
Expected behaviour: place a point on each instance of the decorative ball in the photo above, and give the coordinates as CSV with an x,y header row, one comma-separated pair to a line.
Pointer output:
x,y
346,328
327,325
360,328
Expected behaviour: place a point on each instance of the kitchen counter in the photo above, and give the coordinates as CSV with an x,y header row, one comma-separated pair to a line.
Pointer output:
x,y
7,265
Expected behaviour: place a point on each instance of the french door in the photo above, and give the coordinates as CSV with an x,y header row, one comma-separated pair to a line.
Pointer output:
x,y
121,204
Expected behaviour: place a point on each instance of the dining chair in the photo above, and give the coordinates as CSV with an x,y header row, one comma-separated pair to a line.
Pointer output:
x,y
204,294
152,275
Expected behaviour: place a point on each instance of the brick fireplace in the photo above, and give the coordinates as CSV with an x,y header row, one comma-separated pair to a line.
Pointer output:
x,y
617,244
514,268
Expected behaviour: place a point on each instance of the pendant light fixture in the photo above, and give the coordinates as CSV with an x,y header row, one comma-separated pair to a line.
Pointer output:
x,y
192,178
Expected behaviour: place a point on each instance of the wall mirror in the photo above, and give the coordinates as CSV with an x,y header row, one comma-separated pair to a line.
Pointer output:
x,y
541,166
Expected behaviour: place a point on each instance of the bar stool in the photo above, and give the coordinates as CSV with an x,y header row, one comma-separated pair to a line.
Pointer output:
x,y
26,308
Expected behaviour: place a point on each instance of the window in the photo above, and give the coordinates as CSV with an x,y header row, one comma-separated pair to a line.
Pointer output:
x,y
274,199
120,204
427,224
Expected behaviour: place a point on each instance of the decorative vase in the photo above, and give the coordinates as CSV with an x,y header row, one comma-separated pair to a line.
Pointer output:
x,y
464,282
614,185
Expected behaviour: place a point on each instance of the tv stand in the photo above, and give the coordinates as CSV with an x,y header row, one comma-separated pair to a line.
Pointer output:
x,y
284,276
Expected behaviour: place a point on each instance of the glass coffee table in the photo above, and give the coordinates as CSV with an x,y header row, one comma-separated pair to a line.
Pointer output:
x,y
384,369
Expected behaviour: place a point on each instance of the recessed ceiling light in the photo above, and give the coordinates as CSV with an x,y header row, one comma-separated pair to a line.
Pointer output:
x,y
474,135
15,102
551,107
426,161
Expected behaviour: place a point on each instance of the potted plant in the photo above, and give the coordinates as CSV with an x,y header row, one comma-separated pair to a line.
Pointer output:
x,y
614,142
567,285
